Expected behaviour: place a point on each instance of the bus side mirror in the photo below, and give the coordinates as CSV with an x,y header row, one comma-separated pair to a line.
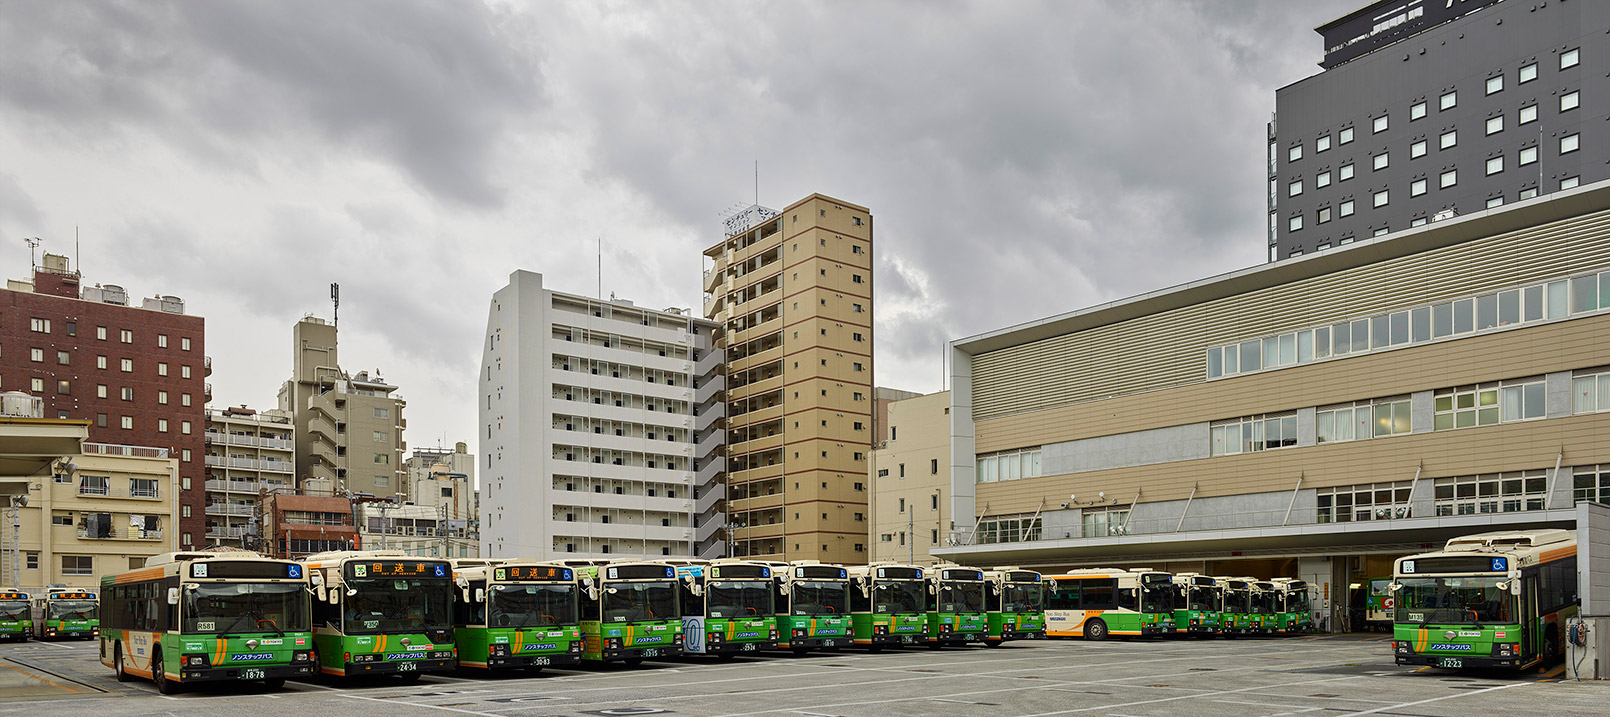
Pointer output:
x,y
173,596
334,595
1394,586
320,593
1515,587
480,595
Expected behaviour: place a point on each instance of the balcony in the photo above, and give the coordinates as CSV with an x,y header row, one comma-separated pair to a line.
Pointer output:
x,y
218,531
123,533
242,486
230,509
111,449
120,489
206,392
206,366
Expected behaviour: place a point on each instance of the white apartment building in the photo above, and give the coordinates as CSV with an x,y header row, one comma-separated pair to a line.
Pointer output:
x,y
591,414
247,451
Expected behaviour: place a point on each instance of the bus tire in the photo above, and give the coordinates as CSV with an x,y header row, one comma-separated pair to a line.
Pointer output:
x,y
117,663
801,651
159,675
274,683
1551,644
726,656
1096,630
408,678
992,643
634,661
874,649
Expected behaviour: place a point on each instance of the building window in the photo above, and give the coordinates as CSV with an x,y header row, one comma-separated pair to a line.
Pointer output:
x,y
1104,522
162,341
1361,420
162,397
1570,143
1381,161
184,372
1254,433
1570,182
37,385
1448,100
380,436
1295,223
1569,58
1381,198
100,333
1295,188
32,560
1417,187
184,399
1367,501
162,425
1590,392
162,368
1528,72
1344,136
1591,483
1345,209
1448,139
1322,180
77,565
382,458
385,481
1417,150
126,336
933,469
1378,125
1418,221
1495,84
184,343
1570,101
382,413
184,427
1008,529
1528,114
39,325
1494,202
127,365
1323,215
1417,110
1495,124
1448,179
1344,172
1495,165
1489,404
1009,465
1491,493
1295,153
1322,144
36,355
1528,156
126,393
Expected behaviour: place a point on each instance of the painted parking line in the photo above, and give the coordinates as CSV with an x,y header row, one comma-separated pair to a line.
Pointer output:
x,y
1390,708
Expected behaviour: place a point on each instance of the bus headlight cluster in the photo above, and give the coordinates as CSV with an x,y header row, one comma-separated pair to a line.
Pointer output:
x,y
575,647
442,655
365,658
774,633
497,650
798,632
195,661
1507,649
712,637
1400,646
302,656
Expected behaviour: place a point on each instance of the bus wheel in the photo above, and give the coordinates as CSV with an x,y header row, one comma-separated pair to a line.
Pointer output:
x,y
408,678
1551,645
801,651
117,663
159,674
634,661
534,669
1095,630
874,649
933,645
274,683
992,643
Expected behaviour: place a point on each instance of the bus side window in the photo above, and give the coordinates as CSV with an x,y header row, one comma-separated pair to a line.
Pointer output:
x,y
1126,599
1064,595
1097,595
779,601
589,604
169,613
477,611
860,602
692,605
932,597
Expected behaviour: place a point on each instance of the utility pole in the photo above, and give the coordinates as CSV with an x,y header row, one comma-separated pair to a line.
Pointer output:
x,y
911,535
447,546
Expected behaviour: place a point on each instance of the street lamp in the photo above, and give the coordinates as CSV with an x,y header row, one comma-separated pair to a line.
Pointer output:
x,y
17,502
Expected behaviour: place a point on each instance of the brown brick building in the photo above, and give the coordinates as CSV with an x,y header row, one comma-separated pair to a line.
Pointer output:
x,y
136,373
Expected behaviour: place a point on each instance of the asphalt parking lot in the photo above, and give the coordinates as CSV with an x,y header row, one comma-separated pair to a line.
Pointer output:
x,y
1245,678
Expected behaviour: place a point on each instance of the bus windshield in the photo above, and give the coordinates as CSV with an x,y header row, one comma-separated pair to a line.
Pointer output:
x,y
733,599
897,596
1156,597
539,605
1454,601
1263,602
961,597
1297,601
397,604
820,598
1022,597
244,607
639,602
1203,599
14,610
1237,601
70,610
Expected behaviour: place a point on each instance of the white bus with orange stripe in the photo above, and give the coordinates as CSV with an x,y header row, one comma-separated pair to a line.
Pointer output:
x,y
207,616
1094,603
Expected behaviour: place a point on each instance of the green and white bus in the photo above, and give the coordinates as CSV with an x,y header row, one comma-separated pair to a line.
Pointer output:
x,y
16,616
728,607
813,606
1378,604
1497,599
70,613
515,615
1094,603
382,612
887,603
629,611
1238,616
207,616
1197,602
956,609
1016,605
1265,606
1294,615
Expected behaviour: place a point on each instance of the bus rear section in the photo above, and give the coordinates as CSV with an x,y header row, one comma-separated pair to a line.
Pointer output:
x,y
955,606
1016,605
382,612
1196,605
887,605
1096,603
1491,600
207,616
71,614
629,612
727,608
813,606
16,616
516,615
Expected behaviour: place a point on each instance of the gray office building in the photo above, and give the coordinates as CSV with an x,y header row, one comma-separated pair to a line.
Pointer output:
x,y
1427,109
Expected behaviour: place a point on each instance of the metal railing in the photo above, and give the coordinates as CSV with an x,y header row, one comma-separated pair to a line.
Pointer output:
x,y
112,449
123,534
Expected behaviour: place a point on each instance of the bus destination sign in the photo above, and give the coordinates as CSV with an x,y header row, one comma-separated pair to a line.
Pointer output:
x,y
245,570
532,572
398,569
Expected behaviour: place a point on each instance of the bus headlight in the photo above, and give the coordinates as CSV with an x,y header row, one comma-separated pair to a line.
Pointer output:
x,y
199,660
497,650
302,656
1506,649
1401,646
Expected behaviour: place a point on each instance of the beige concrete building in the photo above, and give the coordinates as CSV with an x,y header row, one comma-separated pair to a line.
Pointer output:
x,y
349,426
74,510
910,479
247,451
793,290
1314,417
440,517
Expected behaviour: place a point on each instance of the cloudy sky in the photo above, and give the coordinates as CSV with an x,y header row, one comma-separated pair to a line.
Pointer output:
x,y
1021,158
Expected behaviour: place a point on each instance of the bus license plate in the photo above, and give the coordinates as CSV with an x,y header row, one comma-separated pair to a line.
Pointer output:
x,y
747,647
251,674
1450,662
908,639
407,667
830,643
651,652
541,661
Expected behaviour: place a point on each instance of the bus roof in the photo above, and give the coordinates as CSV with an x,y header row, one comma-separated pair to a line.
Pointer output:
x,y
1523,547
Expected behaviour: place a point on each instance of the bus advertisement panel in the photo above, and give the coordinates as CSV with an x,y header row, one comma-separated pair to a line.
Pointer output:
x,y
16,616
629,611
1489,600
516,615
887,605
813,607
1197,602
70,613
382,612
1096,603
206,617
1016,605
727,608
955,606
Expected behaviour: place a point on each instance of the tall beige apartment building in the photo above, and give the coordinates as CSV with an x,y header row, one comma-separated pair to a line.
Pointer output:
x,y
348,426
910,477
793,291
247,451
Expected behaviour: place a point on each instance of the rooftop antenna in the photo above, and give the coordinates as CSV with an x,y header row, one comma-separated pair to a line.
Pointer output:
x,y
33,243
600,266
335,298
757,181
78,257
